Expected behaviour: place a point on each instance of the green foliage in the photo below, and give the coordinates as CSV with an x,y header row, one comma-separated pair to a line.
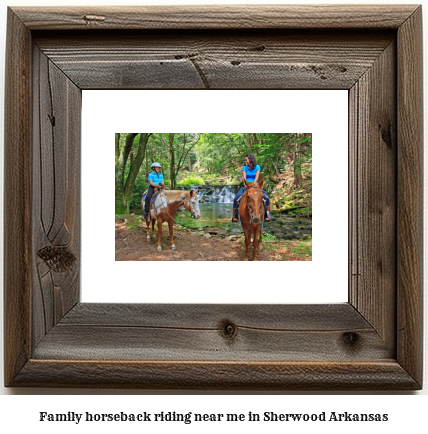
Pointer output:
x,y
269,237
191,180
301,212
304,248
216,158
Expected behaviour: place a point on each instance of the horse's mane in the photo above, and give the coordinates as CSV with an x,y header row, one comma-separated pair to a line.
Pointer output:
x,y
175,195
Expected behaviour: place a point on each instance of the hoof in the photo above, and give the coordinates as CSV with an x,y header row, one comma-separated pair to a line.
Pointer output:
x,y
148,237
173,247
159,249
260,247
254,259
245,259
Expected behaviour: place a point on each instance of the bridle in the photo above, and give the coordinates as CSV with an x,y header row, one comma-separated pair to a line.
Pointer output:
x,y
249,211
248,206
190,206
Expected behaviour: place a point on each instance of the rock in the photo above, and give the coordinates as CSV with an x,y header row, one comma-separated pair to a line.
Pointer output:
x,y
216,231
207,236
233,232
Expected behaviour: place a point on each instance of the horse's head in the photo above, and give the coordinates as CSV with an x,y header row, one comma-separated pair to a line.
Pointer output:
x,y
255,201
191,203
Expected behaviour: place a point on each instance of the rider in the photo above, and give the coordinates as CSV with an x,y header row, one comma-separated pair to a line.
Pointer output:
x,y
155,180
250,173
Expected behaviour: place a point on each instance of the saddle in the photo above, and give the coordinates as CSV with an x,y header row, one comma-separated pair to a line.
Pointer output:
x,y
152,200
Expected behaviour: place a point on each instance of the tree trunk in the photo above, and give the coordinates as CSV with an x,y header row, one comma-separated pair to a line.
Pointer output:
x,y
297,165
172,175
123,189
298,179
118,177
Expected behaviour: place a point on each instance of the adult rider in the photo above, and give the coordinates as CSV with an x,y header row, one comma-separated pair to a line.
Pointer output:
x,y
250,173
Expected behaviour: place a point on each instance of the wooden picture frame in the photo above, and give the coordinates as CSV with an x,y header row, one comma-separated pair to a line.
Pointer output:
x,y
372,342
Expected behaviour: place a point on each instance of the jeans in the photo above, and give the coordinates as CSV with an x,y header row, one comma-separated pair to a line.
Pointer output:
x,y
148,198
242,191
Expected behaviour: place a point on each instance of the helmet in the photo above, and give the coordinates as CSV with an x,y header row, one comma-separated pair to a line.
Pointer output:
x,y
156,165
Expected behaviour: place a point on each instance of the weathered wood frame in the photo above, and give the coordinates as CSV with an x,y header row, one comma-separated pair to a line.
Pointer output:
x,y
372,342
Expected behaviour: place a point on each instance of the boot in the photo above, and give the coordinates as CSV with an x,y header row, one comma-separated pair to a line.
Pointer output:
x,y
268,214
235,215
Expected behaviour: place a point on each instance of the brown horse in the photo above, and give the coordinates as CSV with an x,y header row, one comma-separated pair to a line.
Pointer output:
x,y
165,208
251,212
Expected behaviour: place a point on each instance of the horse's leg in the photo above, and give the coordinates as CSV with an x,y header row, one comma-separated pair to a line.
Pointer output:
x,y
255,242
153,226
260,246
171,233
148,228
159,234
247,242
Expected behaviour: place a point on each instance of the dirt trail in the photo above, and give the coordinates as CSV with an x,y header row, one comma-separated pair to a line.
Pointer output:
x,y
132,245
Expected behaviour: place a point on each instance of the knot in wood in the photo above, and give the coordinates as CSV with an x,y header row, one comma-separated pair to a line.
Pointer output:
x,y
351,340
58,259
228,330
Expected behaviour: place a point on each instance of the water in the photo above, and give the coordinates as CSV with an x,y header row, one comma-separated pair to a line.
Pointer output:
x,y
214,215
216,193
215,204
219,215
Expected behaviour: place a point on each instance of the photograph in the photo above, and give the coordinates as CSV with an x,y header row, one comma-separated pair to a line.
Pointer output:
x,y
213,196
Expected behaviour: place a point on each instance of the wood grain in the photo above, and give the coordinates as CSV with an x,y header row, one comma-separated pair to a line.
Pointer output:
x,y
197,332
386,375
373,174
410,196
56,194
217,17
216,59
372,342
17,199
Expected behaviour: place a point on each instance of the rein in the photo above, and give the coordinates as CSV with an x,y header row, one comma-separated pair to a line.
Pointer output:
x,y
192,213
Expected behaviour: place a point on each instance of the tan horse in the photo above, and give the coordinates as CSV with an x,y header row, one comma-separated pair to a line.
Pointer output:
x,y
251,212
165,208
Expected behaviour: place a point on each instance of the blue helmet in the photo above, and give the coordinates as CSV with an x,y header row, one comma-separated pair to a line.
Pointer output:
x,y
156,165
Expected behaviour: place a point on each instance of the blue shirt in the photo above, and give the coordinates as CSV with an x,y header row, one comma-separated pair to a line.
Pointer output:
x,y
156,178
251,173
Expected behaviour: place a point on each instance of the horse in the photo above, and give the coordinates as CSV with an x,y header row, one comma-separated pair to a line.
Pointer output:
x,y
251,213
165,208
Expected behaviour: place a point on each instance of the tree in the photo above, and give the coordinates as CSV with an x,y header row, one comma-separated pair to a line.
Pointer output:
x,y
126,172
179,148
301,152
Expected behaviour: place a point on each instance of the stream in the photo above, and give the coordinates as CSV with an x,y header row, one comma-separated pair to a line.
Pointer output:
x,y
216,204
219,215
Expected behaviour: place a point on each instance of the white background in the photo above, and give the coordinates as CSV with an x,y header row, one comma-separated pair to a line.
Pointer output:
x,y
322,280
21,412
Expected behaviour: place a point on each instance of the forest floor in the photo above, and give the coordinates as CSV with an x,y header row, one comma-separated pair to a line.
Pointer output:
x,y
132,245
